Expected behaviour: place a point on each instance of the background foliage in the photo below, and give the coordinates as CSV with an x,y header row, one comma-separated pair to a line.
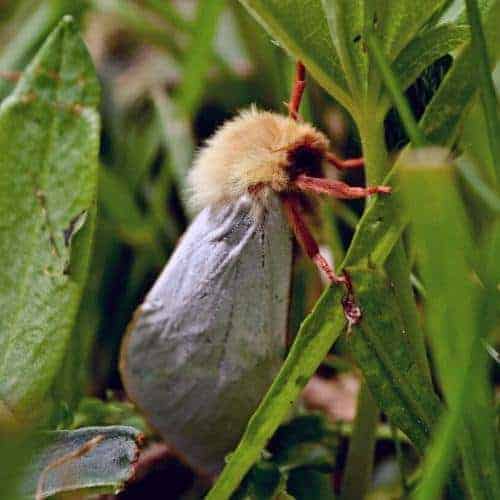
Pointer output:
x,y
92,204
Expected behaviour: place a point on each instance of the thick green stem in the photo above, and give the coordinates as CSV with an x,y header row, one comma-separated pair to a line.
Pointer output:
x,y
376,165
358,471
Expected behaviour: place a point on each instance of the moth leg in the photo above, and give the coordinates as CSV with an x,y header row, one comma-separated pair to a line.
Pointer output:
x,y
298,88
344,164
337,189
306,239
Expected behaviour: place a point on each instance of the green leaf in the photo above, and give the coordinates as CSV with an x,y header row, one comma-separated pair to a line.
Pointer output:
x,y
306,441
426,48
302,29
264,481
94,412
380,346
305,484
49,142
346,20
443,236
177,138
197,63
93,458
119,205
449,105
358,470
397,23
28,31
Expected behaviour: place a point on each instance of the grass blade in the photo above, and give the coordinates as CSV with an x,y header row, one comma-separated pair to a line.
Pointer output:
x,y
487,89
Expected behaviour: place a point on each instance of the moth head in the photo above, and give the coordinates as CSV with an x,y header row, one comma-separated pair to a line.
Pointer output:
x,y
255,152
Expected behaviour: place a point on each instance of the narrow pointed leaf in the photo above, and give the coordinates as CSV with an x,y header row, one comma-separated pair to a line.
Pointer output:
x,y
443,234
449,105
383,352
426,48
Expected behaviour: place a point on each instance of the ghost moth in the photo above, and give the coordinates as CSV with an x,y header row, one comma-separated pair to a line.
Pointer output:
x,y
209,338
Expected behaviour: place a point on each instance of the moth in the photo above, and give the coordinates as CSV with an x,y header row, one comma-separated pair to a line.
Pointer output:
x,y
205,345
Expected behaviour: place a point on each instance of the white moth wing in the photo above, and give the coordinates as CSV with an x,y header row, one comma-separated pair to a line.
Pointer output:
x,y
210,336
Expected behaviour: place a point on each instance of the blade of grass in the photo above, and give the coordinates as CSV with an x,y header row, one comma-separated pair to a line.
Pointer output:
x,y
199,55
449,106
394,87
443,236
358,471
487,89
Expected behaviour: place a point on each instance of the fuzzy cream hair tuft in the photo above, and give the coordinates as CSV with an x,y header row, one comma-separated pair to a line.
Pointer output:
x,y
256,148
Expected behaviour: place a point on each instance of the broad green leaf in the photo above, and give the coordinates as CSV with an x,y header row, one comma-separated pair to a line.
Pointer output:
x,y
449,105
49,142
397,22
94,458
346,20
302,29
382,350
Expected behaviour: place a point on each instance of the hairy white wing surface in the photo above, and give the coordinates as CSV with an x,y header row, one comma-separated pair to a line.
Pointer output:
x,y
207,342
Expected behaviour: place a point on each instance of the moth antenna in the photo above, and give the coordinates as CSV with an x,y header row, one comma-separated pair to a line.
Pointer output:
x,y
337,189
344,164
298,88
306,239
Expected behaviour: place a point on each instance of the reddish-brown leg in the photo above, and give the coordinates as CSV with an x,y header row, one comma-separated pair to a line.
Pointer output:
x,y
298,88
306,239
344,164
337,189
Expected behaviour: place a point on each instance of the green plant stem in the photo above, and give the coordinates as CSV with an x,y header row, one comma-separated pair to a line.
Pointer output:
x,y
393,86
376,161
358,471
487,89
